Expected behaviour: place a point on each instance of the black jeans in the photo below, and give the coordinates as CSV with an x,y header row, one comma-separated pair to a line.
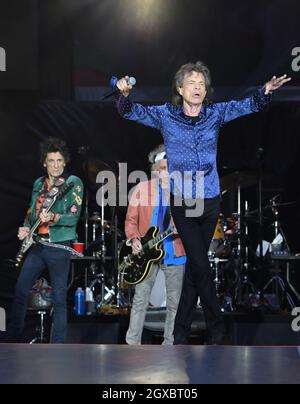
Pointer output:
x,y
196,234
58,263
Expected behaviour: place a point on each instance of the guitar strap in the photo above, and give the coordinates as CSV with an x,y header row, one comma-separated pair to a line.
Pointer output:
x,y
62,247
54,190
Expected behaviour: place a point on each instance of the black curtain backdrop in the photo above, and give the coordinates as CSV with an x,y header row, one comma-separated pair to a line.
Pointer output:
x,y
19,38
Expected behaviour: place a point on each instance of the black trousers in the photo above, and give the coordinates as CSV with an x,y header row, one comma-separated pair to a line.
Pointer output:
x,y
196,234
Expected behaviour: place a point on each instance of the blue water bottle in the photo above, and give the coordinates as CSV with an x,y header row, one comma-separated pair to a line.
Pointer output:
x,y
79,302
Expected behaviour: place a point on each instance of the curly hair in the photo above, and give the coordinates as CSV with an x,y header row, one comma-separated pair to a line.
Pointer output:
x,y
187,69
54,145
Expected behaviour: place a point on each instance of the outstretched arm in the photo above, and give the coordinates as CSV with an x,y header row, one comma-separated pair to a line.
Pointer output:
x,y
235,109
146,115
275,83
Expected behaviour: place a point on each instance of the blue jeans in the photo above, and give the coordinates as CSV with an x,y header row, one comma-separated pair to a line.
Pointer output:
x,y
58,263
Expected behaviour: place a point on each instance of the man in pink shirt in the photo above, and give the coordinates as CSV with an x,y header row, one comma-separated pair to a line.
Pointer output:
x,y
149,206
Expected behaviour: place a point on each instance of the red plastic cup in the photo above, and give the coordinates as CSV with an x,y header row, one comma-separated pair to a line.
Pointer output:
x,y
79,247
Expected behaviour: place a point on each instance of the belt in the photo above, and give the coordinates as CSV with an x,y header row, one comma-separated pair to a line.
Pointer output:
x,y
44,239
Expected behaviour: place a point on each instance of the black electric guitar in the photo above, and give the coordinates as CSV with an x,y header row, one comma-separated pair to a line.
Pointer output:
x,y
135,268
28,240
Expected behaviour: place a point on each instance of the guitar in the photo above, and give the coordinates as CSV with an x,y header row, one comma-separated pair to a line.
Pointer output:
x,y
135,268
28,240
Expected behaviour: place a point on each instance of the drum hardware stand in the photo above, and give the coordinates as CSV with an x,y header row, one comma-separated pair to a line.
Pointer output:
x,y
278,285
225,301
239,221
277,225
95,226
277,282
276,215
259,157
106,292
114,221
215,266
244,287
41,329
84,152
288,280
238,216
246,261
123,300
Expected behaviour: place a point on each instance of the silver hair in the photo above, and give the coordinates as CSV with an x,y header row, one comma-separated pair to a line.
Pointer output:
x,y
152,155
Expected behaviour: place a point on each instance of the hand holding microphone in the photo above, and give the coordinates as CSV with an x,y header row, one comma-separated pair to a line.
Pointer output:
x,y
125,85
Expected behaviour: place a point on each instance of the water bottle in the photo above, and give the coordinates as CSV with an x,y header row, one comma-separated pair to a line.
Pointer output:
x,y
79,302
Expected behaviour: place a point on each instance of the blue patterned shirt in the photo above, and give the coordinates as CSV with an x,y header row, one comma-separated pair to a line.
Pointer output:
x,y
192,146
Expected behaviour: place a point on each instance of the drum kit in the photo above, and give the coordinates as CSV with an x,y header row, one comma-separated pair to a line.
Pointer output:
x,y
100,278
229,253
102,239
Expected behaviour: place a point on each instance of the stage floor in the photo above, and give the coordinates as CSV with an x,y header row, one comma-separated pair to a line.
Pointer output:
x,y
148,364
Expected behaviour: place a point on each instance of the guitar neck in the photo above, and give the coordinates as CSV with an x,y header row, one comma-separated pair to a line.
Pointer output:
x,y
39,221
152,243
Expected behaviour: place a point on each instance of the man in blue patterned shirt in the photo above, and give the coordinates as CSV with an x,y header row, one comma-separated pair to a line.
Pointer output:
x,y
190,126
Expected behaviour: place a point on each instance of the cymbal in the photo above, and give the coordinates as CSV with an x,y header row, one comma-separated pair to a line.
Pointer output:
x,y
94,166
244,179
255,218
95,218
269,206
275,205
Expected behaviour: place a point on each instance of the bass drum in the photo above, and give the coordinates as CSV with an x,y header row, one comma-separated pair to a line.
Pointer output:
x,y
40,296
219,248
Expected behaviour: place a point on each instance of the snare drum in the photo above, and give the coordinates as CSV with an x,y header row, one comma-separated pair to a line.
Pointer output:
x,y
218,246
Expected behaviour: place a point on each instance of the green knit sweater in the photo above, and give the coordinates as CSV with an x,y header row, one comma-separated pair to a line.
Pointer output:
x,y
68,209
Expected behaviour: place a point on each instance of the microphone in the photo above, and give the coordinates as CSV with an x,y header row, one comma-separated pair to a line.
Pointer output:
x,y
113,83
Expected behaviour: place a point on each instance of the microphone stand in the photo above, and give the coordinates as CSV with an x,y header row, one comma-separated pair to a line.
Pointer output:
x,y
259,156
84,151
114,231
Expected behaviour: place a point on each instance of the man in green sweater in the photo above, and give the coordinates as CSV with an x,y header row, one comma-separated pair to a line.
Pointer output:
x,y
53,238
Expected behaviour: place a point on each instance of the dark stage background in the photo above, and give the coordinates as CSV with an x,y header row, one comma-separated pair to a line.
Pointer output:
x,y
60,55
